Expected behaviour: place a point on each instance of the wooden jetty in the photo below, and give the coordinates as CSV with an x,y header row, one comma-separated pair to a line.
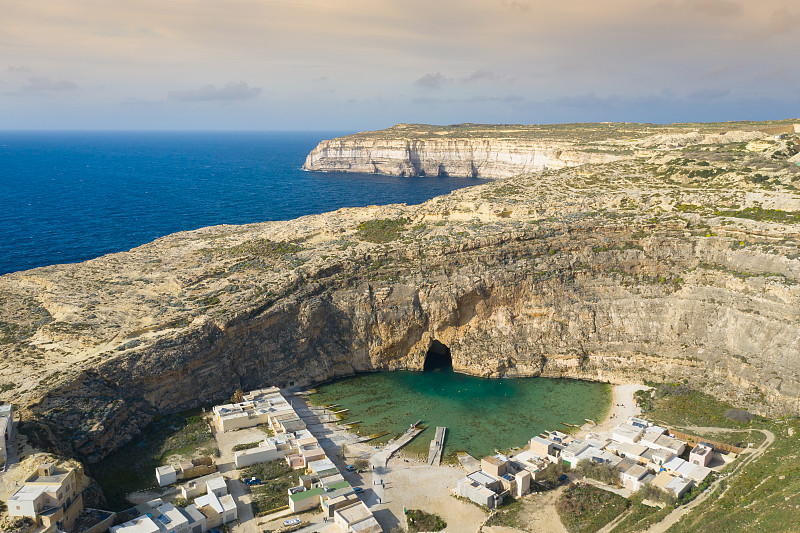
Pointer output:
x,y
437,445
373,436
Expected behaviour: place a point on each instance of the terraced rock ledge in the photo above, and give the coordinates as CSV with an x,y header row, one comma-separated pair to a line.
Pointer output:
x,y
676,258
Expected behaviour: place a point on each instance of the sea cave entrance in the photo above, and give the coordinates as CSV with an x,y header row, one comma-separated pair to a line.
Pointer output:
x,y
437,358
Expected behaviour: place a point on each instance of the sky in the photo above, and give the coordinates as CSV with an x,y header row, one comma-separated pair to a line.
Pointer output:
x,y
353,65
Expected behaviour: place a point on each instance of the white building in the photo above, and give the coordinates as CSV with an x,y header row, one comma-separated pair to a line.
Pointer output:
x,y
217,510
6,430
627,433
166,475
356,518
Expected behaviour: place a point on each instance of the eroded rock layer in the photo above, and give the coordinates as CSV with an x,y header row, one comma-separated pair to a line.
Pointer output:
x,y
681,263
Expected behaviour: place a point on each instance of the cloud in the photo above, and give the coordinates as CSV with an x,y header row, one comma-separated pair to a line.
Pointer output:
x,y
208,93
513,5
434,80
782,21
717,8
19,70
708,94
482,75
714,8
38,85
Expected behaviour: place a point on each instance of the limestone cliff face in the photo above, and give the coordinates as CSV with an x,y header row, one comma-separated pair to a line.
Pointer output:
x,y
671,267
400,152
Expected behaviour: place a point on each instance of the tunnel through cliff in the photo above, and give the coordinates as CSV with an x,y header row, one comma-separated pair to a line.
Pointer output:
x,y
437,358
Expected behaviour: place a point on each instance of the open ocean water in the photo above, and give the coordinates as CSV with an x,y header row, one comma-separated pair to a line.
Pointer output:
x,y
71,196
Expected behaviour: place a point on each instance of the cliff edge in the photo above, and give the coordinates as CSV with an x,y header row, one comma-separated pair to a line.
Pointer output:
x,y
679,263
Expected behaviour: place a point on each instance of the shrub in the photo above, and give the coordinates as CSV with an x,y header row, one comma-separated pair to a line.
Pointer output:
x,y
651,492
382,230
421,521
604,473
247,446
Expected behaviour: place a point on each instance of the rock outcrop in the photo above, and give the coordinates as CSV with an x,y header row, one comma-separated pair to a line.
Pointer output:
x,y
667,266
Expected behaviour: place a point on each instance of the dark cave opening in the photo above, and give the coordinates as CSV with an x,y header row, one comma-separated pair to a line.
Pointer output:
x,y
437,358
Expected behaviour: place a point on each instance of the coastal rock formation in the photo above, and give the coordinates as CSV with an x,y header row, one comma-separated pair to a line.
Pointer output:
x,y
669,265
403,151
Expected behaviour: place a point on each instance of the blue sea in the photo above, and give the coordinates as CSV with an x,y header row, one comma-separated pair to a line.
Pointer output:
x,y
72,196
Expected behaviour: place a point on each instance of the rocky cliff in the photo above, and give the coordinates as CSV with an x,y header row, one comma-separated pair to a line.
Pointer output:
x,y
679,263
477,151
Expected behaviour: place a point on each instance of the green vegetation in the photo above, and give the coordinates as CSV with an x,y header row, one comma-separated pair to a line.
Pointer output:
x,y
603,473
676,404
552,472
653,493
765,496
421,521
361,464
5,387
277,478
247,446
130,468
586,509
640,516
765,215
382,230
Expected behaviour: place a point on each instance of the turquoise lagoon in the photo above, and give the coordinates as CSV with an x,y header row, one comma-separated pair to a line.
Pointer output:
x,y
481,415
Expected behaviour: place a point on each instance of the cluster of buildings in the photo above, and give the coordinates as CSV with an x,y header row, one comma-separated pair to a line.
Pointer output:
x,y
322,485
212,507
262,406
638,451
497,479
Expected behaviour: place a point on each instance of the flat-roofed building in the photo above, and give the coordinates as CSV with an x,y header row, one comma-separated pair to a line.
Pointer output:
x,y
631,478
196,487
530,462
323,468
635,452
541,447
495,465
303,500
627,433
196,519
217,510
140,524
356,518
166,475
477,492
49,497
701,454
570,454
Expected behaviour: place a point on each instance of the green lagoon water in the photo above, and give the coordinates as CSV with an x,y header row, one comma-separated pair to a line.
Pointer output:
x,y
481,415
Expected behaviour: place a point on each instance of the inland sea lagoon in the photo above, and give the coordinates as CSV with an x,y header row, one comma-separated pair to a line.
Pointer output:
x,y
481,415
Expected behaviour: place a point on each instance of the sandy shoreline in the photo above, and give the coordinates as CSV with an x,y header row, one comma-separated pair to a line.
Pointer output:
x,y
623,405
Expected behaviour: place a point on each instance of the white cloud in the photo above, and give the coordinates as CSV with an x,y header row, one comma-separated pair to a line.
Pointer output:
x,y
230,92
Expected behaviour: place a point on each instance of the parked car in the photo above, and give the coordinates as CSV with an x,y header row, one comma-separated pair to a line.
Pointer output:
x,y
252,481
291,522
358,490
350,468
